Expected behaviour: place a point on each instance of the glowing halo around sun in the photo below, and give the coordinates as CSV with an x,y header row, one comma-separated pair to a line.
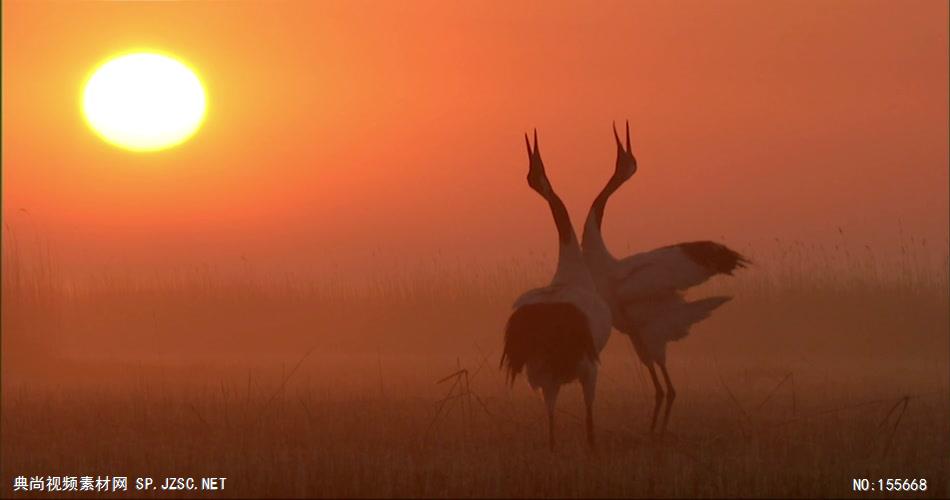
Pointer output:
x,y
144,101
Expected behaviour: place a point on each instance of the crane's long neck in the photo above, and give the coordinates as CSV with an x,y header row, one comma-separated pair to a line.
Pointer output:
x,y
571,268
594,246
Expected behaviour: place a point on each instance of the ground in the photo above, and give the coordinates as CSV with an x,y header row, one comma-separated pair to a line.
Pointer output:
x,y
796,388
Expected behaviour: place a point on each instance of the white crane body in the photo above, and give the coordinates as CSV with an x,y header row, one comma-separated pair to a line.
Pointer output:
x,y
645,291
555,333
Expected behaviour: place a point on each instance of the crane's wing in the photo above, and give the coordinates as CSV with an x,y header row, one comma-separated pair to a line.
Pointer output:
x,y
655,321
672,268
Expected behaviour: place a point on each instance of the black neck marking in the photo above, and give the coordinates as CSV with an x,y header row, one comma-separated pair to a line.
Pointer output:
x,y
565,232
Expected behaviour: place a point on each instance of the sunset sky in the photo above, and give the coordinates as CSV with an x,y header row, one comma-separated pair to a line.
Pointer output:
x,y
340,131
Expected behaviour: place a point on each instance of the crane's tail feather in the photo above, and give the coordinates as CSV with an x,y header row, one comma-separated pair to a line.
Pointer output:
x,y
555,334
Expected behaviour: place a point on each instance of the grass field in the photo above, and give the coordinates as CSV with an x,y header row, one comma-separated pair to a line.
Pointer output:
x,y
831,364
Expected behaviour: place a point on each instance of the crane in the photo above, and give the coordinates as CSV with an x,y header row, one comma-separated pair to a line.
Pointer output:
x,y
645,291
555,333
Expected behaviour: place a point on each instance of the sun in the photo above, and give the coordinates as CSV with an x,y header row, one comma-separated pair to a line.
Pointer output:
x,y
144,101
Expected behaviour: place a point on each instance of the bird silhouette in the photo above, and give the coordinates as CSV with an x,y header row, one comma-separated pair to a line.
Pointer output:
x,y
645,290
555,333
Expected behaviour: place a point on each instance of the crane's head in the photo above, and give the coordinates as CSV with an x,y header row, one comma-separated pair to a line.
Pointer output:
x,y
626,163
537,178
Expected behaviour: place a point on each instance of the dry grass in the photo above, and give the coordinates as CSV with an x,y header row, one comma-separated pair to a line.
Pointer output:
x,y
787,391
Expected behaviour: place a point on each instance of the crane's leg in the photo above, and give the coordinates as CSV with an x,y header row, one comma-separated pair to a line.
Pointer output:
x,y
550,398
590,387
658,394
647,361
670,396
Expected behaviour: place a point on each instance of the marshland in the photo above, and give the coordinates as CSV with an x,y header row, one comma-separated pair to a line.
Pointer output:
x,y
829,365
280,242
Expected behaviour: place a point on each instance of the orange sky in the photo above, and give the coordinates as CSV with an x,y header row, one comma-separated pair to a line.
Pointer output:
x,y
336,130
